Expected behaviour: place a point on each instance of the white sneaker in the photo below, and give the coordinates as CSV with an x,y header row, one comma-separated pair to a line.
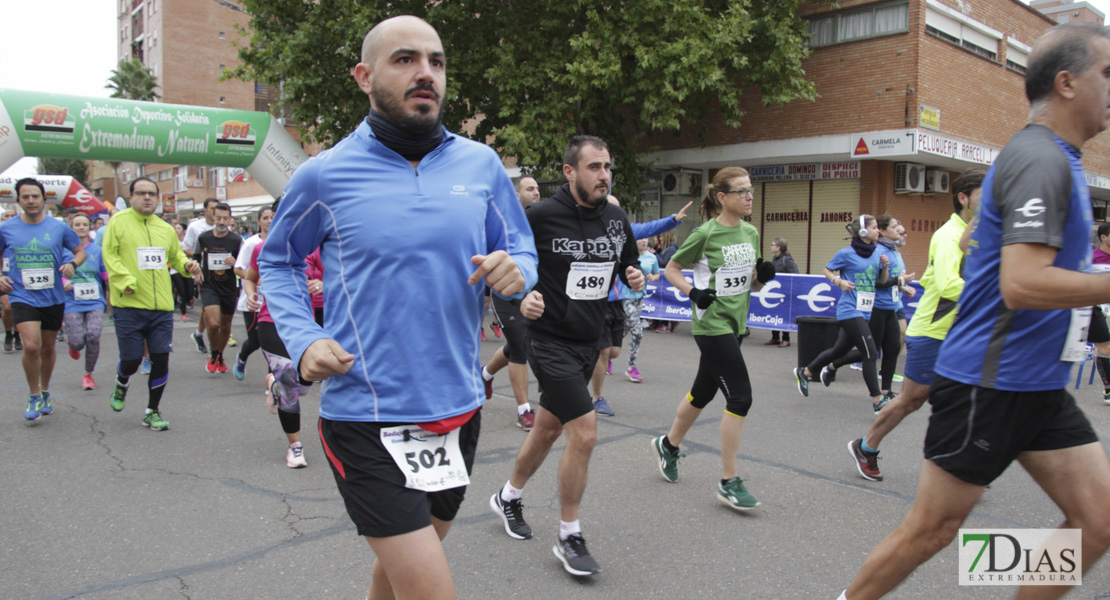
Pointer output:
x,y
294,457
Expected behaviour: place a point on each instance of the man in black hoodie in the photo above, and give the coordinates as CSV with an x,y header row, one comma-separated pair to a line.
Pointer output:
x,y
582,241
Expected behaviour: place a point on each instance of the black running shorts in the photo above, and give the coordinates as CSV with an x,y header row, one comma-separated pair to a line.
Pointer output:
x,y
50,317
373,487
975,433
227,303
563,372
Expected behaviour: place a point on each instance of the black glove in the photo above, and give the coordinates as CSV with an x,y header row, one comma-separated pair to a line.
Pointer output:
x,y
703,298
764,270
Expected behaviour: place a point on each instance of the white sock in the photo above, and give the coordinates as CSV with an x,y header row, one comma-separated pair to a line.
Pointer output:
x,y
510,493
568,529
486,375
523,408
843,595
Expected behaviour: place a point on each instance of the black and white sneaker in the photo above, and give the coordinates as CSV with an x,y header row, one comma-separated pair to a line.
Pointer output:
x,y
828,375
575,557
512,514
198,339
803,381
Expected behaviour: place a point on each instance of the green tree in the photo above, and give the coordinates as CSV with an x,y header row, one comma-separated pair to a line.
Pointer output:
x,y
538,72
74,167
133,80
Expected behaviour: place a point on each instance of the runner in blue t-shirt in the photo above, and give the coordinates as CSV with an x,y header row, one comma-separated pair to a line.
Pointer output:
x,y
998,394
84,311
885,329
860,268
34,284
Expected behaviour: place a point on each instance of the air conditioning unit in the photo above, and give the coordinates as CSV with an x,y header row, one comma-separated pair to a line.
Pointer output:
x,y
681,183
936,181
909,178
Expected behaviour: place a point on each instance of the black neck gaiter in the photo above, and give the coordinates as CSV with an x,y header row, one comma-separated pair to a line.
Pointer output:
x,y
397,139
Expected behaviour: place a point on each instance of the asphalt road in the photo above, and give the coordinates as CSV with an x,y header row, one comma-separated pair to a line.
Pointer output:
x,y
99,507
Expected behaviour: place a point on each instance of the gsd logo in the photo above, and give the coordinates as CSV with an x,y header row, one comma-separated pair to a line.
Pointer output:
x,y
235,133
47,117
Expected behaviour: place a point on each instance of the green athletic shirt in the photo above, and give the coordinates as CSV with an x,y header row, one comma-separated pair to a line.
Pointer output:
x,y
126,233
708,249
943,281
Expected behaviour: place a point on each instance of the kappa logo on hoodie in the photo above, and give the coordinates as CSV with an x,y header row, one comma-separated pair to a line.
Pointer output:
x,y
605,248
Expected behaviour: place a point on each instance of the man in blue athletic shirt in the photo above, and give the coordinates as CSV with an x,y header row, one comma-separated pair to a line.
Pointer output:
x,y
998,394
400,438
34,284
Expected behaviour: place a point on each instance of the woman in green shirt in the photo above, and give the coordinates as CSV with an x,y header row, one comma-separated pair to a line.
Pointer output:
x,y
723,254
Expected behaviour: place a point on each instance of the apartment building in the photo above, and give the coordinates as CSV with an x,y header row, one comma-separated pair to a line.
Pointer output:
x,y
911,93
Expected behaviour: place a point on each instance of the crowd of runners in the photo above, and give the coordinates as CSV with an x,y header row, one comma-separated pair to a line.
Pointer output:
x,y
1010,301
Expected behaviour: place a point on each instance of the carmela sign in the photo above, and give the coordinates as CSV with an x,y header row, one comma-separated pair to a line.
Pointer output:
x,y
877,144
805,172
932,143
929,117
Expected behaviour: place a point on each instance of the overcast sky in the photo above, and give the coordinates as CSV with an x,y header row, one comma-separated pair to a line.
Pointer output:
x,y
69,47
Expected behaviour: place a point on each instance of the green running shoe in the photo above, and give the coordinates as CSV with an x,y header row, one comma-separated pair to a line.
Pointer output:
x,y
118,398
47,404
896,378
735,495
155,421
668,461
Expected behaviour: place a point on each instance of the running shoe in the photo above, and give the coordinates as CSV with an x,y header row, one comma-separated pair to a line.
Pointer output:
x,y
9,341
489,385
154,420
735,495
512,515
118,397
609,368
575,557
184,317
526,420
34,404
668,461
18,341
211,366
601,407
61,335
634,375
483,334
1106,396
231,341
803,382
496,329
146,366
897,378
87,382
240,368
866,463
828,375
198,339
220,366
271,394
75,354
47,404
857,366
294,456
883,401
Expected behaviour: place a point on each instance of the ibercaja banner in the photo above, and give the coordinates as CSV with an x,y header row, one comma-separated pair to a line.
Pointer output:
x,y
112,129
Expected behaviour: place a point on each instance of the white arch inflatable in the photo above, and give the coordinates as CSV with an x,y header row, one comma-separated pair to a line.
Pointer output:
x,y
112,129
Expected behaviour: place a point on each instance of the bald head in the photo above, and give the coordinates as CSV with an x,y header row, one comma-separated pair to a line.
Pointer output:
x,y
372,43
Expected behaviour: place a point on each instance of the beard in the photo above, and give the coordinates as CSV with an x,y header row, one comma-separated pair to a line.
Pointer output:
x,y
584,194
415,125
